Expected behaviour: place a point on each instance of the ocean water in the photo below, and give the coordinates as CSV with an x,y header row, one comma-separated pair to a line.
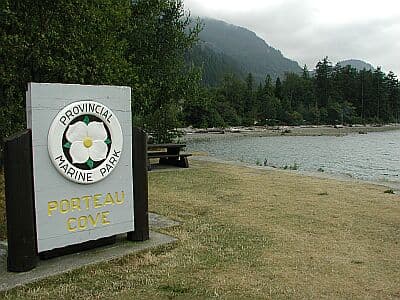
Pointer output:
x,y
372,157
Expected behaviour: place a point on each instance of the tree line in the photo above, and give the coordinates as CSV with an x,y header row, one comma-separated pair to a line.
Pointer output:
x,y
329,95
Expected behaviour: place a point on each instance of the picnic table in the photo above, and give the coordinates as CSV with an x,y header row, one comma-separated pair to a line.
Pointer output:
x,y
168,154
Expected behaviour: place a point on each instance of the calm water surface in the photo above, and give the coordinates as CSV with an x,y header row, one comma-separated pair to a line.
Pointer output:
x,y
372,156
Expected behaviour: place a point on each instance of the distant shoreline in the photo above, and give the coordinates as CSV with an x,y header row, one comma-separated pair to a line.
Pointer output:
x,y
322,175
312,130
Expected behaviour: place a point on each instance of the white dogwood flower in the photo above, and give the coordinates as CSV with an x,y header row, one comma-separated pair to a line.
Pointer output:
x,y
87,141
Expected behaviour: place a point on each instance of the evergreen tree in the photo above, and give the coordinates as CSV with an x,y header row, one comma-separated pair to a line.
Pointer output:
x,y
278,88
250,108
322,82
306,73
393,97
268,87
378,94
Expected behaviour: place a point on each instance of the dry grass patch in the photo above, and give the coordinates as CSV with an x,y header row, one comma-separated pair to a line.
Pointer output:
x,y
256,234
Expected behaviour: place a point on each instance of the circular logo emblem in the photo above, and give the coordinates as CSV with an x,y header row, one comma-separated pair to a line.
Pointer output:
x,y
85,141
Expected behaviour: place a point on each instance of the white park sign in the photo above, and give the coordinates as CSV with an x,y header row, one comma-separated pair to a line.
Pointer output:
x,y
82,162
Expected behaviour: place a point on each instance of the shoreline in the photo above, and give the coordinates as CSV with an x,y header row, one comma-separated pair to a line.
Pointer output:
x,y
320,175
190,134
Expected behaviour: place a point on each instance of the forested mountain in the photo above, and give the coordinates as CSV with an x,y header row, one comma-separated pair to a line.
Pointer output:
x,y
356,64
241,50
214,64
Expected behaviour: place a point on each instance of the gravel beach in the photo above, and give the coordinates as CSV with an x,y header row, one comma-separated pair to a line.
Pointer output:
x,y
322,130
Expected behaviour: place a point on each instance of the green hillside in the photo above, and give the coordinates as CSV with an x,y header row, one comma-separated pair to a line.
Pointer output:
x,y
242,51
214,65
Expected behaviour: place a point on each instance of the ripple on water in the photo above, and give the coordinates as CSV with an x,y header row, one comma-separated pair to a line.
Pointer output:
x,y
373,157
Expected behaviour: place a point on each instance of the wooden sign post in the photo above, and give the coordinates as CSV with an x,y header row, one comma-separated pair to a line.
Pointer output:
x,y
21,228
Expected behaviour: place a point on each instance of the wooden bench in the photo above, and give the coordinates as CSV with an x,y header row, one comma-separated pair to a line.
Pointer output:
x,y
168,154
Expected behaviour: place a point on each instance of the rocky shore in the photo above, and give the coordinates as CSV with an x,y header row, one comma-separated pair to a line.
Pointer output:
x,y
190,133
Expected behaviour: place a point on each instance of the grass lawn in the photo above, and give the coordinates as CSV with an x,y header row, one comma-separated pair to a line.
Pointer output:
x,y
252,234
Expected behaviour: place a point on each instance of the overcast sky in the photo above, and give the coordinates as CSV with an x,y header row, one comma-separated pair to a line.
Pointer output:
x,y
308,30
